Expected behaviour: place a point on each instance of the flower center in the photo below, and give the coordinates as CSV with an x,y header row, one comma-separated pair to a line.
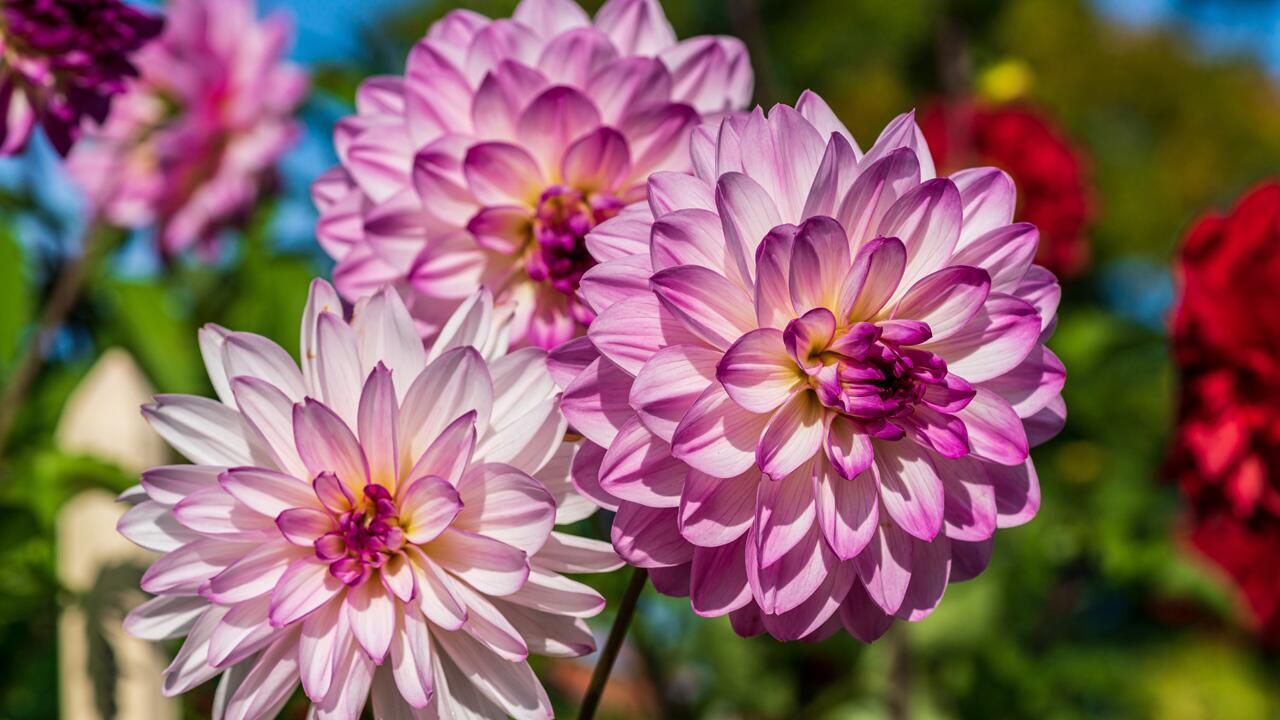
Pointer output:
x,y
870,372
366,536
561,222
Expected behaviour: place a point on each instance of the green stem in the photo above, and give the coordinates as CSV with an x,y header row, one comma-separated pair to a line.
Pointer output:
x,y
626,610
62,298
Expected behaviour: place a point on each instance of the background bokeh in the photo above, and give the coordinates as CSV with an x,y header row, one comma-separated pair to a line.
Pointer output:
x,y
1097,609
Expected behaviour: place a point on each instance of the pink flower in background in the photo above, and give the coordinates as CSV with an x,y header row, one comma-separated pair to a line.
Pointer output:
x,y
504,144
379,522
62,61
190,147
815,374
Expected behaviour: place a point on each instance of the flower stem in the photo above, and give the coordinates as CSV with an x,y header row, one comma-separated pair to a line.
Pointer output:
x,y
62,298
626,610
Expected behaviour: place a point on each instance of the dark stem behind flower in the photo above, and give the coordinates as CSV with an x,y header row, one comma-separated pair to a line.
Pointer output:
x,y
617,633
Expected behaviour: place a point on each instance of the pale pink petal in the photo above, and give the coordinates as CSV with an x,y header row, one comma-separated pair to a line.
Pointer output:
x,y
596,402
717,436
338,366
670,192
387,334
808,618
847,509
270,683
902,133
794,578
710,306
436,596
773,278
637,27
454,384
783,154
242,632
930,568
573,554
376,423
305,586
792,437
669,383
945,300
572,57
835,175
819,262
206,432
813,108
152,526
638,467
212,512
168,484
873,278
554,593
512,686
249,355
326,444
1006,253
598,161
371,615
747,213
879,186
318,645
1017,491
411,661
503,174
427,506
995,341
631,331
785,513
910,490
253,575
758,373
554,120
970,512
488,565
1030,386
988,198
165,617
995,430
648,537
713,74
505,504
715,511
627,85
690,236
885,567
270,412
486,624
303,526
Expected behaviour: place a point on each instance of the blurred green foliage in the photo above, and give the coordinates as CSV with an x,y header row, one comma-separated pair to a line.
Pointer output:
x,y
1094,610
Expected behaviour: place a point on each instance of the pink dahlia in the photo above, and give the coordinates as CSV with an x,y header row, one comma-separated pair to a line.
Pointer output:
x,y
193,142
817,373
379,522
504,144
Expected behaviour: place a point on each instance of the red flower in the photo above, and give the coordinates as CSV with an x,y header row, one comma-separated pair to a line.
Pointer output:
x,y
1226,337
1046,167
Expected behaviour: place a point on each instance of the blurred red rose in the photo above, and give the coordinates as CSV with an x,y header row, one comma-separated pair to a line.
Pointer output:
x,y
1047,168
1226,338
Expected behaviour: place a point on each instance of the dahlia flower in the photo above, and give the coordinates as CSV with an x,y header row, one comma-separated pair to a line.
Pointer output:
x,y
62,61
1226,452
1048,168
192,143
815,374
505,142
376,523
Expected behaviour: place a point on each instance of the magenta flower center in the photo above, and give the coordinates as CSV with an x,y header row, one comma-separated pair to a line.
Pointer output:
x,y
561,222
366,536
870,373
